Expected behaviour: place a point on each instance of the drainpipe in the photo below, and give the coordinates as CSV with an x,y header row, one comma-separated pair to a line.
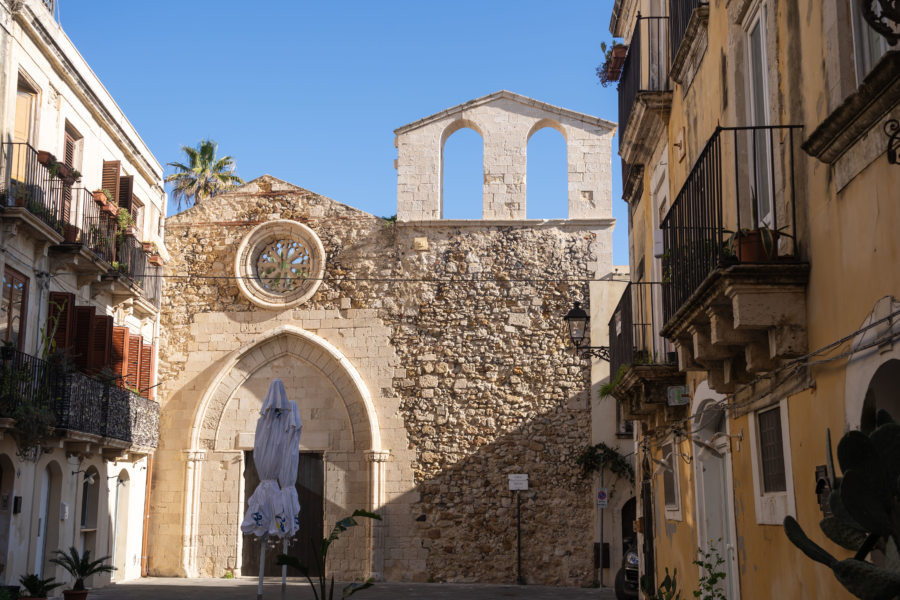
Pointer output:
x,y
145,559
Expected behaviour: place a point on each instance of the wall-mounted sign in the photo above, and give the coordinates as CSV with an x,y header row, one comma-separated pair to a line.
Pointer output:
x,y
518,481
678,395
602,497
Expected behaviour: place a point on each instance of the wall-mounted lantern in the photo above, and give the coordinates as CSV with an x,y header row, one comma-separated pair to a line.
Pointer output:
x,y
578,321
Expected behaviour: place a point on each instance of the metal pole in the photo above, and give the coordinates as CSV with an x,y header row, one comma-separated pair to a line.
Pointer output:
x,y
519,578
601,531
284,567
262,566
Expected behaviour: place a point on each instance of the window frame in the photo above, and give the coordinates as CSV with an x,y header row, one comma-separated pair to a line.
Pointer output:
x,y
772,507
863,37
13,275
673,511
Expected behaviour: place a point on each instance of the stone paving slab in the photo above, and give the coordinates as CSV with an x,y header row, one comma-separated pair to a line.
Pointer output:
x,y
245,589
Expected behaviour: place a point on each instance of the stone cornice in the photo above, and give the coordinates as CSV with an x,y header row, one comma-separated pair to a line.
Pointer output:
x,y
879,92
514,223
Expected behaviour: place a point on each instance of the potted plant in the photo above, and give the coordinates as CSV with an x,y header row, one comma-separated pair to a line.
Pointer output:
x,y
614,58
111,207
22,195
156,260
80,567
45,158
148,247
126,222
35,587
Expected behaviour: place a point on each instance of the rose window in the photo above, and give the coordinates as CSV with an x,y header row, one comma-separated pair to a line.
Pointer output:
x,y
280,264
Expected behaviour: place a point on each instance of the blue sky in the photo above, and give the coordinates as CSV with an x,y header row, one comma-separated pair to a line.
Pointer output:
x,y
310,92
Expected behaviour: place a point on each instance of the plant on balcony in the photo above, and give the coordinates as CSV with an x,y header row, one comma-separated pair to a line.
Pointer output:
x,y
865,511
614,58
126,222
35,587
320,552
80,567
45,158
22,195
600,456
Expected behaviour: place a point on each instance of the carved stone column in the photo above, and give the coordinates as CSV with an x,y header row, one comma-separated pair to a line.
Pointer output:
x,y
377,460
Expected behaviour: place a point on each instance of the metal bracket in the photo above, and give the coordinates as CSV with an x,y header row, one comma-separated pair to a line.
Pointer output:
x,y
892,130
601,352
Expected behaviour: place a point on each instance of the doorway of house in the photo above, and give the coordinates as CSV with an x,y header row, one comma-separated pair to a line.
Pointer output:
x,y
311,491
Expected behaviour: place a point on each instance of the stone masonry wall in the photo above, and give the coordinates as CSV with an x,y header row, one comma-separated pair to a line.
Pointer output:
x,y
475,381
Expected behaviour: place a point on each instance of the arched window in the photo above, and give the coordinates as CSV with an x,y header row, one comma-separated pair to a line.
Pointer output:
x,y
462,174
547,183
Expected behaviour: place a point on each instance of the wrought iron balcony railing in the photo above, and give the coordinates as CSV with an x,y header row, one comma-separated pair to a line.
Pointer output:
x,y
28,184
680,12
79,402
647,64
736,206
131,260
634,329
97,230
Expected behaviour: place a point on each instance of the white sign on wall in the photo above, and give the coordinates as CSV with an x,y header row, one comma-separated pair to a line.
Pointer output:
x,y
518,481
602,497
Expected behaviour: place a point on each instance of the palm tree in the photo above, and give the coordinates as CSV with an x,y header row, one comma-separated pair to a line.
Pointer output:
x,y
204,175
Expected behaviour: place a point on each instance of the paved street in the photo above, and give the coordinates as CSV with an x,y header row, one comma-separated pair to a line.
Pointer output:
x,y
245,588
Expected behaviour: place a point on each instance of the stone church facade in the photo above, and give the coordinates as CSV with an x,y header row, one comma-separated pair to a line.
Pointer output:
x,y
428,358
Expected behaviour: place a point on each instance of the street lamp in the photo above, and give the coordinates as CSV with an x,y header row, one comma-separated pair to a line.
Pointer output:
x,y
578,320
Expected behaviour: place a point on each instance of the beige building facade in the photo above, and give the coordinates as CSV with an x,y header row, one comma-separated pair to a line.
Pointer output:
x,y
79,308
763,297
428,358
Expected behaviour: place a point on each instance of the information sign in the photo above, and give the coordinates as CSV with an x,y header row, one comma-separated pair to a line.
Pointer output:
x,y
518,481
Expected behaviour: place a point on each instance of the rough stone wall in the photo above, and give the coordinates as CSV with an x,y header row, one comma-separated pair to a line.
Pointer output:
x,y
506,122
470,374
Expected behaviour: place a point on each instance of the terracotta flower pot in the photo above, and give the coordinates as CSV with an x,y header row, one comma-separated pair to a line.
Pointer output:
x,y
45,157
100,198
147,247
75,595
71,233
750,249
156,260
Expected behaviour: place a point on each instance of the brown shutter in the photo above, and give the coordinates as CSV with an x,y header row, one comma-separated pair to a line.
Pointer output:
x,y
145,382
118,359
126,191
82,335
151,393
134,360
101,341
110,179
62,305
69,151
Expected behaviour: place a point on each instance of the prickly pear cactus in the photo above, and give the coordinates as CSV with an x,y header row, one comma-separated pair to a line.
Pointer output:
x,y
865,504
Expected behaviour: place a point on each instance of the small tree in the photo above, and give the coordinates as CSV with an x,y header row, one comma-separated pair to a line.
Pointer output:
x,y
80,566
204,175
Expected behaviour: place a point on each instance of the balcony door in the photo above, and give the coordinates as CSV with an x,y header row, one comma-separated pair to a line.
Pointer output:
x,y
23,129
759,141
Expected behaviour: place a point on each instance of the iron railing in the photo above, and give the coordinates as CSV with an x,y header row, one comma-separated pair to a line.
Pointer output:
x,y
153,284
742,183
28,184
79,402
646,65
97,230
131,260
634,329
680,12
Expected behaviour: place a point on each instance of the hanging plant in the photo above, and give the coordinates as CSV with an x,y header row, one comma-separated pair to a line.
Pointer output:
x,y
600,456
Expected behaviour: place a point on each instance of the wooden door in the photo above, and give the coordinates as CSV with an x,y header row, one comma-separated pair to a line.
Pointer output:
x,y
310,490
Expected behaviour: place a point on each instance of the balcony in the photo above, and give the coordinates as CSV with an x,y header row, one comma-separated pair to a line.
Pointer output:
x,y
643,364
734,304
688,38
645,96
90,415
132,278
29,195
89,237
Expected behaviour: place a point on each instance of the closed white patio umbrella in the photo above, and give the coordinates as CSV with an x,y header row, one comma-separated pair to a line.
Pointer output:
x,y
273,509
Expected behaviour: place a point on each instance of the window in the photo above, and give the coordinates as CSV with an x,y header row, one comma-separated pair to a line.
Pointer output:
x,y
758,109
137,215
771,450
13,307
670,491
772,475
868,45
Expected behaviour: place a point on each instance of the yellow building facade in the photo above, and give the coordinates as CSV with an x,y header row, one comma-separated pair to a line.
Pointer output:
x,y
764,307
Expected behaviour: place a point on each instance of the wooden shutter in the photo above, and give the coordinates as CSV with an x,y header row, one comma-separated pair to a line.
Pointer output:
x,y
82,335
145,380
134,360
62,305
126,191
69,151
110,179
151,393
69,161
101,342
118,359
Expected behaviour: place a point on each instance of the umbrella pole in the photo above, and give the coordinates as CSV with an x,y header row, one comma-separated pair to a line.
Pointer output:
x,y
262,566
284,568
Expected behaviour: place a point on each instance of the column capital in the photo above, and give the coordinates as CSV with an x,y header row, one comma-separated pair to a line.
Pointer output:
x,y
378,456
194,455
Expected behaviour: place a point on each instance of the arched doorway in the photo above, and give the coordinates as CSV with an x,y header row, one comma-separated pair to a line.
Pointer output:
x,y
340,423
883,393
713,484
90,506
48,489
119,551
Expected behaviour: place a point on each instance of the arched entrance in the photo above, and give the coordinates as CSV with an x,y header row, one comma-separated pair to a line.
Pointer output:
x,y
713,484
340,424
